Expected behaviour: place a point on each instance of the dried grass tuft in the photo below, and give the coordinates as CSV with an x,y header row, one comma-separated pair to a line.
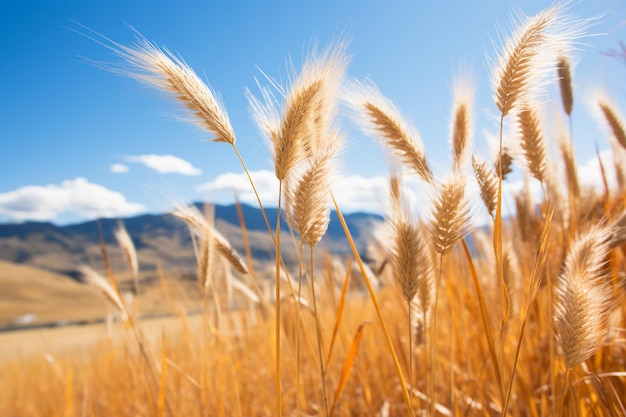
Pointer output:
x,y
532,143
380,117
530,54
128,247
584,295
487,180
616,124
160,68
565,83
450,213
462,110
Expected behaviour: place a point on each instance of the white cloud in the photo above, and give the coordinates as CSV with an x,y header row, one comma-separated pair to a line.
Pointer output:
x,y
76,197
222,189
165,164
119,168
358,193
353,193
591,175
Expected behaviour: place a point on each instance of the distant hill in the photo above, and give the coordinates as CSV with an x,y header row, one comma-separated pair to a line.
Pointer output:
x,y
31,295
160,239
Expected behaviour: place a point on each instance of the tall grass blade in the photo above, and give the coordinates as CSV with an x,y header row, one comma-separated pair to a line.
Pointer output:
x,y
340,306
347,365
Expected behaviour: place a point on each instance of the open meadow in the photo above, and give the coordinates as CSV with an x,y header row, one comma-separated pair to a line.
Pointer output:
x,y
455,309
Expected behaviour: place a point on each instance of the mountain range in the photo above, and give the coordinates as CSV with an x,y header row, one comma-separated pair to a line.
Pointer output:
x,y
160,239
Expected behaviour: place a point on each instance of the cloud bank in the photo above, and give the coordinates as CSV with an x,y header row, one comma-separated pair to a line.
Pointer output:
x,y
75,197
165,164
353,193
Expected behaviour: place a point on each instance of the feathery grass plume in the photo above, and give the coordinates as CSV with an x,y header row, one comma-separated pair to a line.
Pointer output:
x,y
450,212
203,238
202,229
616,124
519,74
410,258
300,133
564,72
309,200
584,295
224,248
378,116
160,68
532,143
571,167
487,180
619,159
461,127
618,223
394,191
96,280
300,129
128,247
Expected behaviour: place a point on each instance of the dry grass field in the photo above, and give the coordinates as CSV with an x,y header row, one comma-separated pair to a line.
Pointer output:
x,y
523,316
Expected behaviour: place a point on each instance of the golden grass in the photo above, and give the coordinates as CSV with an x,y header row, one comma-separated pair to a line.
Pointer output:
x,y
523,317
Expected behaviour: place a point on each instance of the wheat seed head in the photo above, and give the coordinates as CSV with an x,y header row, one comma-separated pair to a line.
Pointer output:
x,y
127,246
449,212
409,256
564,71
103,285
379,117
521,70
209,238
615,122
308,202
531,141
584,295
462,120
301,127
161,69
487,179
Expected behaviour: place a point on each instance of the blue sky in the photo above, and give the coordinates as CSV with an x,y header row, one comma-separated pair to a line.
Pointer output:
x,y
67,128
